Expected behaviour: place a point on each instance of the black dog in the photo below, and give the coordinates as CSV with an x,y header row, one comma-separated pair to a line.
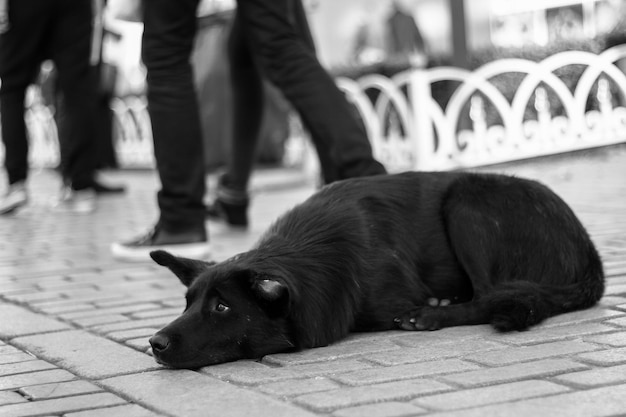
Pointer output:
x,y
371,254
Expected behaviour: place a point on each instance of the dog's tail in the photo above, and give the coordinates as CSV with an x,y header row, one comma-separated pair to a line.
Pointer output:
x,y
517,305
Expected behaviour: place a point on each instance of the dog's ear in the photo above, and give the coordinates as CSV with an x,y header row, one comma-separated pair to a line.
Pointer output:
x,y
185,269
272,294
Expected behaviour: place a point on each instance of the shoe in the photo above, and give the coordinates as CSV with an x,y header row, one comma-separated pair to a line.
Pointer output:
x,y
102,188
15,197
231,205
193,244
75,201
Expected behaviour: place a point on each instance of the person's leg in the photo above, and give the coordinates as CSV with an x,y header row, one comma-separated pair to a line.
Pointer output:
x,y
231,202
293,67
248,104
169,31
70,45
21,51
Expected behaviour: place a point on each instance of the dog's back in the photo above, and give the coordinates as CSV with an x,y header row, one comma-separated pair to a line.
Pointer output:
x,y
376,246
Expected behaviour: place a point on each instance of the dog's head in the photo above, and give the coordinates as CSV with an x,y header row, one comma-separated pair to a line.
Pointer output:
x,y
232,313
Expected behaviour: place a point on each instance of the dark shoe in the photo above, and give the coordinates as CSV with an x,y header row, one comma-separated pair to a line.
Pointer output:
x,y
101,188
191,244
233,214
230,206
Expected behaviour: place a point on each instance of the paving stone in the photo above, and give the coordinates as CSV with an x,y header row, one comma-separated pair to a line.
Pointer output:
x,y
124,335
157,322
617,322
459,335
490,395
593,314
61,405
615,289
613,339
262,374
445,349
67,308
87,355
346,349
390,409
10,397
100,319
5,349
141,344
595,377
126,310
34,378
156,313
402,372
599,402
510,373
550,334
24,367
16,357
604,357
130,410
18,321
534,352
59,389
192,394
298,386
356,396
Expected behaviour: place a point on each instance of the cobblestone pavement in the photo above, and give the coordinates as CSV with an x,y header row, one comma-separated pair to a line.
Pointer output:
x,y
74,324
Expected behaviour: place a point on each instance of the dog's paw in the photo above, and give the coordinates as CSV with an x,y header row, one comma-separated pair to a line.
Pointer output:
x,y
421,318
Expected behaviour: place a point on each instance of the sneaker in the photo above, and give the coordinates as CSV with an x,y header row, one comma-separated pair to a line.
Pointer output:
x,y
15,197
101,187
75,201
230,206
192,245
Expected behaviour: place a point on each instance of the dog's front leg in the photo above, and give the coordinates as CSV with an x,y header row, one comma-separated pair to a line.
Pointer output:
x,y
439,314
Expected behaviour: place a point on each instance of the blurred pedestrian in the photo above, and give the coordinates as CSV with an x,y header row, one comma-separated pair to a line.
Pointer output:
x,y
32,31
404,38
287,59
167,43
273,40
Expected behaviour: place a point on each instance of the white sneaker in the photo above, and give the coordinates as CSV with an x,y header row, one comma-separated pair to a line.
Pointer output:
x,y
75,201
193,246
15,197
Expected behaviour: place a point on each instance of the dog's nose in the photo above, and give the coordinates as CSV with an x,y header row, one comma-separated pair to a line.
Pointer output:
x,y
159,342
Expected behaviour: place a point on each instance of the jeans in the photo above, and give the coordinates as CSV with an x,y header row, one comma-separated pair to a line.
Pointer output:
x,y
169,31
49,29
272,38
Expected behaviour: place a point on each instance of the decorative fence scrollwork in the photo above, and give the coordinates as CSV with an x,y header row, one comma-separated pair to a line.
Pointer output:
x,y
479,125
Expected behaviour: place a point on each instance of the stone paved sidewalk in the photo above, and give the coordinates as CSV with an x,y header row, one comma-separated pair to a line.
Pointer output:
x,y
74,324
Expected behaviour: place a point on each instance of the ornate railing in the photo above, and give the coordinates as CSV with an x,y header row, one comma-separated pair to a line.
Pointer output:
x,y
411,128
479,125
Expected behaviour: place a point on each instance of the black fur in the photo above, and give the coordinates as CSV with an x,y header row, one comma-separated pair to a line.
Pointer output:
x,y
367,254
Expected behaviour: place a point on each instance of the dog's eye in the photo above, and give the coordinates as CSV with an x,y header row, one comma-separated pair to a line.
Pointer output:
x,y
221,308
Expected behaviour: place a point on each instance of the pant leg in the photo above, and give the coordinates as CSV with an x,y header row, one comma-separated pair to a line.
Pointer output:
x,y
21,52
293,67
248,106
70,48
169,31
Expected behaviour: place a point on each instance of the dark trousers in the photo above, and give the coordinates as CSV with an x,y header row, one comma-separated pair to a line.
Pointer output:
x,y
272,38
169,31
49,29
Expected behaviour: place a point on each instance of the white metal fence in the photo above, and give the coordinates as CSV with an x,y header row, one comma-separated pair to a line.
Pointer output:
x,y
481,121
